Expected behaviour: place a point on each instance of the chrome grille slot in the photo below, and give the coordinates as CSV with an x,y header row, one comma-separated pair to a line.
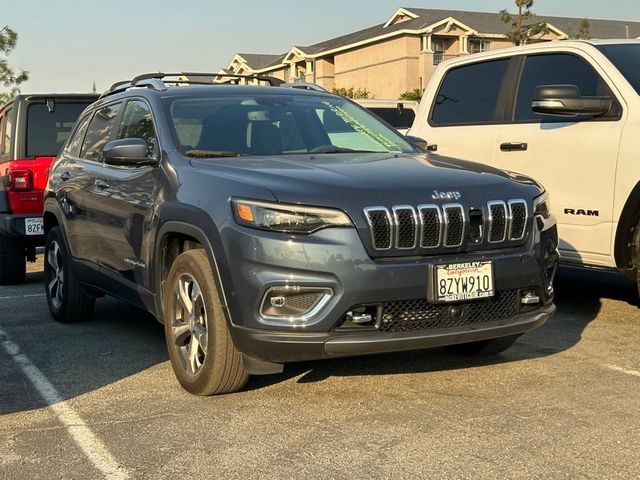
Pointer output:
x,y
431,226
406,223
497,221
454,220
518,215
381,227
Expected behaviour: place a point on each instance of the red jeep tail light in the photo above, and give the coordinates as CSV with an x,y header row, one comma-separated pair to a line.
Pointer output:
x,y
21,180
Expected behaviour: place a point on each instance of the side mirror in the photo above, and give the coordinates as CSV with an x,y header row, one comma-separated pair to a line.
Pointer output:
x,y
566,100
420,144
127,152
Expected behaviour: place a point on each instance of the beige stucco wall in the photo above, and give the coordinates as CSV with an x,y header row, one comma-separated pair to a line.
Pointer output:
x,y
386,68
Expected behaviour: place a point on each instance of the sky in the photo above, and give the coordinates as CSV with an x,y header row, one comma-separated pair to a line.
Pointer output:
x,y
67,45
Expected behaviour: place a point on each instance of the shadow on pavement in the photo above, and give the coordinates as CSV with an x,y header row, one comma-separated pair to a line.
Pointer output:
x,y
122,341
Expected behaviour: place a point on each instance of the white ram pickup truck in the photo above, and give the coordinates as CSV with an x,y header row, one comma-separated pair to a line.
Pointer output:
x,y
565,113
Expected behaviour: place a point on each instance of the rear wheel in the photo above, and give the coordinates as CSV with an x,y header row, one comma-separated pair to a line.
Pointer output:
x,y
202,352
485,347
68,302
13,262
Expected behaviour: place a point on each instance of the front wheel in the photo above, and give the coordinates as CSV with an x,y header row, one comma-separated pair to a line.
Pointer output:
x,y
67,300
202,353
492,346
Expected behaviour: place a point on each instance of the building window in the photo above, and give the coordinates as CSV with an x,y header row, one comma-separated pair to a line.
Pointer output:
x,y
477,46
309,67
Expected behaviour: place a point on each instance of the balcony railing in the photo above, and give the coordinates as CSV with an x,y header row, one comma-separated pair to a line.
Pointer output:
x,y
441,57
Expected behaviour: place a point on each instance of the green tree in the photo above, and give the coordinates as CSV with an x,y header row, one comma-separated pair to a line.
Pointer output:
x,y
523,24
353,92
10,78
412,95
584,30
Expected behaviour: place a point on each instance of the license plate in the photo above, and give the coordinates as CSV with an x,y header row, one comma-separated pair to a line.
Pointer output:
x,y
457,282
33,226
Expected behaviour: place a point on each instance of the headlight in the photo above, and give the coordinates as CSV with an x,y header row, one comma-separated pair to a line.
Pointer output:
x,y
541,206
280,217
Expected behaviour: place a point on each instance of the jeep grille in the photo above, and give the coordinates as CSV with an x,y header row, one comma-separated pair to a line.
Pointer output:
x,y
404,227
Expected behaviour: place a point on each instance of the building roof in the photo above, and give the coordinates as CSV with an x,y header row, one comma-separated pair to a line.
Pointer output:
x,y
419,19
258,61
481,22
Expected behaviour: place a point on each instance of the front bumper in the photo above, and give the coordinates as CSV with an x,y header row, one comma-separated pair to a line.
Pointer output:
x,y
336,259
282,347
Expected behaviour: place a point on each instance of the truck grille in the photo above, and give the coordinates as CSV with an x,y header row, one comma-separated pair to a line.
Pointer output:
x,y
404,227
412,315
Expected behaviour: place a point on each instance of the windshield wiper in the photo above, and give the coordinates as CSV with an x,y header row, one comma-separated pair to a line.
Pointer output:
x,y
212,153
330,150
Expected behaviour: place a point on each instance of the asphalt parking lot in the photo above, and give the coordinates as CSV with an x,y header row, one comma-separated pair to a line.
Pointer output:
x,y
564,402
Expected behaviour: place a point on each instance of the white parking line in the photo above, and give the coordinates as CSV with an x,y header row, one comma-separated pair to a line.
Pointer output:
x,y
628,371
92,447
31,295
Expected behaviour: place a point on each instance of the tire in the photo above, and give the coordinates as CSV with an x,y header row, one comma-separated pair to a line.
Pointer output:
x,y
67,300
13,261
492,346
197,320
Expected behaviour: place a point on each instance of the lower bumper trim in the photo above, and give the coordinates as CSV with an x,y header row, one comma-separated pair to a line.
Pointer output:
x,y
282,347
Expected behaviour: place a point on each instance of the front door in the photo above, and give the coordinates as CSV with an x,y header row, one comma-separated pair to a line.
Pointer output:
x,y
574,158
124,201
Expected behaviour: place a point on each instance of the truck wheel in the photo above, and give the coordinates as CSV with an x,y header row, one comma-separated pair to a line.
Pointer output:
x,y
68,302
201,350
492,346
13,263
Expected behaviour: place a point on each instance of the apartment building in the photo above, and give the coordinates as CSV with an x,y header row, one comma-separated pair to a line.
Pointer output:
x,y
401,54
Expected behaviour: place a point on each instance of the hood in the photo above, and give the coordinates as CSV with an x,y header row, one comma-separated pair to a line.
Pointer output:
x,y
354,181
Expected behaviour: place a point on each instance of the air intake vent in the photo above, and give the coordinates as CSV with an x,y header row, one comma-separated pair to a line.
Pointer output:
x,y
453,225
518,214
497,221
431,220
381,226
406,227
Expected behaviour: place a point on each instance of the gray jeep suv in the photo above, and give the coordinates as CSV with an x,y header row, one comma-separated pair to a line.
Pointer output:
x,y
265,225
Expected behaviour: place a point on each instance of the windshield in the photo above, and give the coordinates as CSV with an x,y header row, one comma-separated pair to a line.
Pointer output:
x,y
626,57
272,124
48,129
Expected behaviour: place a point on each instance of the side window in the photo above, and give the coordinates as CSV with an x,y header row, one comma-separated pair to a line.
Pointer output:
x,y
556,69
469,94
99,132
6,126
137,122
75,140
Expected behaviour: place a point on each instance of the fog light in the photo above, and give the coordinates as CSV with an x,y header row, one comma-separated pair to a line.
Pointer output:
x,y
529,297
359,318
291,303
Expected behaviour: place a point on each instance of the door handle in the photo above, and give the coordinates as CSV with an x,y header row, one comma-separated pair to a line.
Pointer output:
x,y
101,184
514,147
64,176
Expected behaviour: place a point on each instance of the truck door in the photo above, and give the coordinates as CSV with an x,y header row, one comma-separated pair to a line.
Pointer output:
x,y
575,158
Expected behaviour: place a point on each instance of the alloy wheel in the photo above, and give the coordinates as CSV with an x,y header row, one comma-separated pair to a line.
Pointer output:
x,y
55,285
189,324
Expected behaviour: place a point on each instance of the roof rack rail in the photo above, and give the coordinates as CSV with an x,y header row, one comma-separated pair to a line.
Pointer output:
x,y
305,86
158,80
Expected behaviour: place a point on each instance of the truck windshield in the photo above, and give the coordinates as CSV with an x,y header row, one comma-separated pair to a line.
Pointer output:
x,y
47,130
626,57
227,125
396,117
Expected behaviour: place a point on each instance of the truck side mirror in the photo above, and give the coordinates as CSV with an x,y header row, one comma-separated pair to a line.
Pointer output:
x,y
566,100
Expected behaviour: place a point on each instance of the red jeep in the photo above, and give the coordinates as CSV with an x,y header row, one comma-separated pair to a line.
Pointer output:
x,y
33,128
